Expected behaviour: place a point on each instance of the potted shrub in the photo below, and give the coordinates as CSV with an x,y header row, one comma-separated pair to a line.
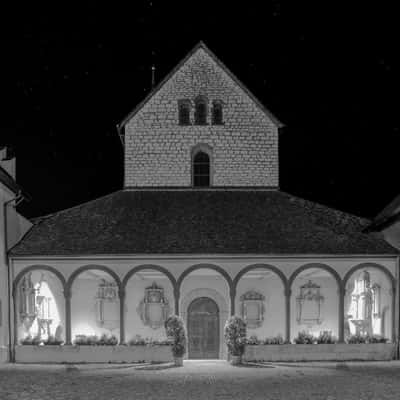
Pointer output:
x,y
235,338
176,333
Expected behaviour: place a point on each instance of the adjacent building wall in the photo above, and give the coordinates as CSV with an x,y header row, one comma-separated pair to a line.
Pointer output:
x,y
16,226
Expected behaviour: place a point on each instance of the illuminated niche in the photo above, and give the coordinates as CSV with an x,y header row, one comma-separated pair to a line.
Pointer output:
x,y
309,304
365,304
27,301
253,309
154,308
107,307
36,308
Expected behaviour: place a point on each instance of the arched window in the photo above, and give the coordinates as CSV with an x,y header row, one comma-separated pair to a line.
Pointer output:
x,y
217,113
201,169
200,114
184,112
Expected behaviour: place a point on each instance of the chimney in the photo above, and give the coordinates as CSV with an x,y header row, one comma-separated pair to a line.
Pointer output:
x,y
8,161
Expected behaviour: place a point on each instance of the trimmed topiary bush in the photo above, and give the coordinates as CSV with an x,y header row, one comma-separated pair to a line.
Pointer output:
x,y
176,333
235,335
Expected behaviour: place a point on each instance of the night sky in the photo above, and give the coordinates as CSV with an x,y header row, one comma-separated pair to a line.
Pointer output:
x,y
329,71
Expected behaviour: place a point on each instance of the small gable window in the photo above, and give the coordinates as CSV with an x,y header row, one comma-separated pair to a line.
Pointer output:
x,y
184,112
201,169
200,114
217,113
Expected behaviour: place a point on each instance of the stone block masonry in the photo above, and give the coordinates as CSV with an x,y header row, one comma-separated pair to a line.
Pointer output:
x,y
244,149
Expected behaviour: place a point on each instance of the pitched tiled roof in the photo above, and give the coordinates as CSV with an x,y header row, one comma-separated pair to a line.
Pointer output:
x,y
200,222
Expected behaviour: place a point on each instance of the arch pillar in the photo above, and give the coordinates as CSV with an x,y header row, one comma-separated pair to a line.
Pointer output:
x,y
394,338
67,299
342,294
14,295
288,295
121,295
177,294
232,294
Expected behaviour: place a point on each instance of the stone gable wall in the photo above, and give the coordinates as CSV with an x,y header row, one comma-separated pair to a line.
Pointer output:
x,y
158,150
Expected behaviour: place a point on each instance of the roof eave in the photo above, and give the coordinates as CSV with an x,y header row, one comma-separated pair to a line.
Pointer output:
x,y
10,183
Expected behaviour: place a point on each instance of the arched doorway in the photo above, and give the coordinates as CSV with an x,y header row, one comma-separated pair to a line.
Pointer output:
x,y
203,329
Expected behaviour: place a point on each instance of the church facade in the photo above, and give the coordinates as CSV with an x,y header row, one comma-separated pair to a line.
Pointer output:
x,y
202,230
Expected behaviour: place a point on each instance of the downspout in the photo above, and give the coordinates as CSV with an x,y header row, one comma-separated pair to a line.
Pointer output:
x,y
17,199
397,311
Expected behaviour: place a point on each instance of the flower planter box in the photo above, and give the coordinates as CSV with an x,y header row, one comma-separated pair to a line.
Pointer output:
x,y
320,352
92,354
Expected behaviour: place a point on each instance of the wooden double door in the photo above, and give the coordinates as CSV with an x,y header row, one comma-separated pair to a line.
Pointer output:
x,y
203,329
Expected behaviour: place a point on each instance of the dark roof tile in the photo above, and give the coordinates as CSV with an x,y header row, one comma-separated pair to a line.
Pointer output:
x,y
202,222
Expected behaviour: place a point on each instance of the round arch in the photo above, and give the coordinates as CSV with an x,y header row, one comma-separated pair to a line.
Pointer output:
x,y
315,265
39,267
357,267
214,267
139,268
89,267
269,267
17,279
223,309
392,281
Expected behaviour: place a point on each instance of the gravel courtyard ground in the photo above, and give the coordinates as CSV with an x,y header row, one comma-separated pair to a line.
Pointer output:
x,y
202,380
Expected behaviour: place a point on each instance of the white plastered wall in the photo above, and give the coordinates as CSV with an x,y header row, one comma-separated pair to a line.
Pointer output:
x,y
135,291
329,307
274,317
84,311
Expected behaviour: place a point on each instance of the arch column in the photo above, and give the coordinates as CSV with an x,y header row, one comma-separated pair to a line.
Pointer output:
x,y
177,294
232,294
14,295
67,298
121,295
288,295
394,339
342,294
